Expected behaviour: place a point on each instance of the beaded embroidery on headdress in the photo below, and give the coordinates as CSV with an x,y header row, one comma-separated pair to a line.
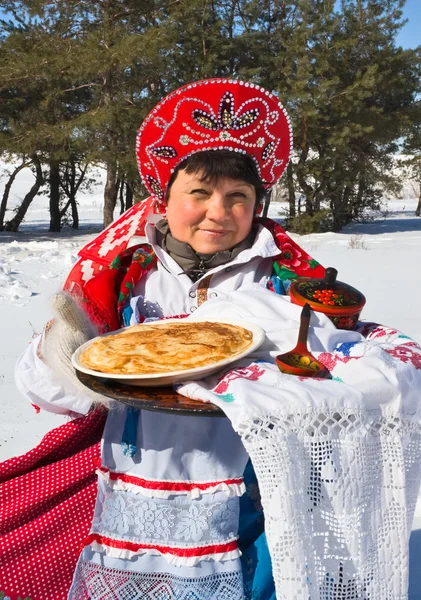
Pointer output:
x,y
214,114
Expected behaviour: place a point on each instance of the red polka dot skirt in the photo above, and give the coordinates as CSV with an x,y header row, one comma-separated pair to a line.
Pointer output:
x,y
47,499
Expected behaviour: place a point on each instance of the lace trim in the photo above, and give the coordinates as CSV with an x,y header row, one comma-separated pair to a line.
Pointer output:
x,y
163,489
178,556
338,513
178,527
95,582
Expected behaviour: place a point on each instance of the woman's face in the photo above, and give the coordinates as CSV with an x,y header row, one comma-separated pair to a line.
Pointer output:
x,y
210,217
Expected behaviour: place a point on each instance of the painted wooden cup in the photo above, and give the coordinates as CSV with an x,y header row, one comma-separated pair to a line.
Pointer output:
x,y
339,301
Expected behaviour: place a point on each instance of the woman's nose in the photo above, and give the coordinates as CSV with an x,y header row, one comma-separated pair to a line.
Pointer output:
x,y
217,209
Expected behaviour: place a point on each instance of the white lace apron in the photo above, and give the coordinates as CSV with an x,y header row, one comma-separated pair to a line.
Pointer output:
x,y
166,519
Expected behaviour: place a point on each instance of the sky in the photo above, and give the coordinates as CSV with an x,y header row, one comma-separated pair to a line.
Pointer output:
x,y
410,35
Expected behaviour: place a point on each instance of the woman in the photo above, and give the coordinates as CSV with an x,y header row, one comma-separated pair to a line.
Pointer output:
x,y
170,515
208,241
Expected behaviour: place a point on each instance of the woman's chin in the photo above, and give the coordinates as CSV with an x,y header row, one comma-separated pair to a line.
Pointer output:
x,y
210,246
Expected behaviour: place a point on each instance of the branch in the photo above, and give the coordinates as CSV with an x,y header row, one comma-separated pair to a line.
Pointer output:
x,y
79,87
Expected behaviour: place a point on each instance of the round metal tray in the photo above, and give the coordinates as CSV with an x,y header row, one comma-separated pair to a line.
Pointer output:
x,y
163,399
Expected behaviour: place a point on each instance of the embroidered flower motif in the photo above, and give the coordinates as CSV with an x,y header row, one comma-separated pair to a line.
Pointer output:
x,y
345,322
154,520
292,257
192,525
225,517
224,135
148,510
143,256
260,142
184,140
116,515
227,118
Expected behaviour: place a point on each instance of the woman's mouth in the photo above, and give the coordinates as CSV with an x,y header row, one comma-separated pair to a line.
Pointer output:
x,y
215,233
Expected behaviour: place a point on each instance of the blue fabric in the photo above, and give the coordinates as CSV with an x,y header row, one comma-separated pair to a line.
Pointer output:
x,y
255,559
127,315
276,285
129,438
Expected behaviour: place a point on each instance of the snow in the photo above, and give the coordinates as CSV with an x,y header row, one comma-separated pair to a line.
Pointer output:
x,y
381,258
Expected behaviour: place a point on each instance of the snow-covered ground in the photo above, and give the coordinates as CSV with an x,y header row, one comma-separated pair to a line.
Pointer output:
x,y
382,259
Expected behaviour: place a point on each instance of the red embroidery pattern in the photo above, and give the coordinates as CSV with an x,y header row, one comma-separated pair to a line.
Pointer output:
x,y
253,373
406,355
381,332
331,360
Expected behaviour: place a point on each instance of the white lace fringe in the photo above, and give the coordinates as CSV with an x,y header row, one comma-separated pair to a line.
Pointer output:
x,y
339,493
96,582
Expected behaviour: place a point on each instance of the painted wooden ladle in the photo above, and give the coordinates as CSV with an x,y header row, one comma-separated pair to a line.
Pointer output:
x,y
300,361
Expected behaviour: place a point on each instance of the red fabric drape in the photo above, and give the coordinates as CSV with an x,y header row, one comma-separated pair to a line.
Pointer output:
x,y
47,499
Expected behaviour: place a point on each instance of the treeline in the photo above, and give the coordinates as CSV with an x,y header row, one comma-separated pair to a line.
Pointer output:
x,y
78,77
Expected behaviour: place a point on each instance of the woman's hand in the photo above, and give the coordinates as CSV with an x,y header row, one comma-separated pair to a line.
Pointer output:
x,y
70,329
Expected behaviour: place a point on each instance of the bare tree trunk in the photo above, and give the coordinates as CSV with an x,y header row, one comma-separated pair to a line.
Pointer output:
x,y
121,196
317,202
73,191
70,187
267,199
63,211
110,193
75,213
129,195
13,224
6,193
55,214
418,210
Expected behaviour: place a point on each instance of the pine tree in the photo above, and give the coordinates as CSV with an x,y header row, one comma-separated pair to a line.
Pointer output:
x,y
38,120
349,91
78,78
412,147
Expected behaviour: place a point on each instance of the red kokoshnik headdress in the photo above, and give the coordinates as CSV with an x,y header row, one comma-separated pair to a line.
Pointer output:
x,y
213,114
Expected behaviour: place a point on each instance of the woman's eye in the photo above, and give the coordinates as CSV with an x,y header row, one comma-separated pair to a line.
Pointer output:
x,y
238,197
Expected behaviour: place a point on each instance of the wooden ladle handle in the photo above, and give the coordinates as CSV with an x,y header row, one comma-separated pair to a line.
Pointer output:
x,y
304,325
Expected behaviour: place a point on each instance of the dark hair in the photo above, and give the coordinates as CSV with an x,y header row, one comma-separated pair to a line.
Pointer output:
x,y
218,164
